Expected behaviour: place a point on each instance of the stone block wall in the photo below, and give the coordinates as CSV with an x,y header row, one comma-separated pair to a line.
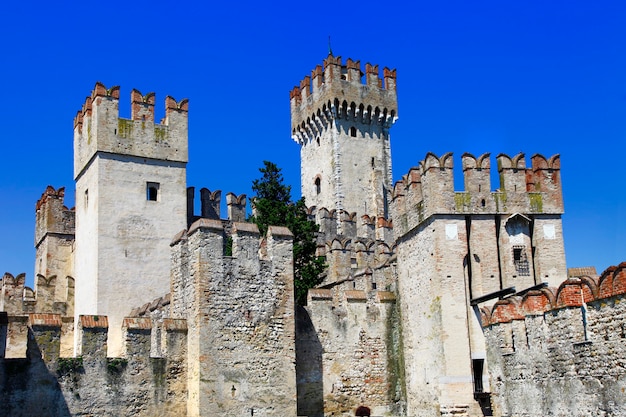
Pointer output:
x,y
241,318
560,351
439,338
348,351
42,382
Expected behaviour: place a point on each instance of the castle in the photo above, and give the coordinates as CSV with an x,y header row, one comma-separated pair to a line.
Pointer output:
x,y
435,302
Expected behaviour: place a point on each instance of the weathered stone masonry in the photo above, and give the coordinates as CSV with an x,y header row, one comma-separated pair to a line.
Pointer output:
x,y
241,319
403,324
45,384
560,351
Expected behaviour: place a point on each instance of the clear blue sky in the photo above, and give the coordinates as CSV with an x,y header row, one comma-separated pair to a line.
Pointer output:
x,y
473,76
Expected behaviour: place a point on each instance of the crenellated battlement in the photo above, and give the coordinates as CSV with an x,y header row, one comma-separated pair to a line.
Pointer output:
x,y
91,334
337,92
429,188
210,206
52,216
98,128
51,295
352,243
340,295
236,249
138,383
573,292
348,225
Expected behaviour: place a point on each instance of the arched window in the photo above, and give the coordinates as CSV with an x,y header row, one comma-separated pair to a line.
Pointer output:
x,y
353,132
318,185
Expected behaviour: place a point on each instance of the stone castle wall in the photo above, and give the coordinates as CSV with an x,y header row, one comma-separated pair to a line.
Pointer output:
x,y
240,310
347,339
560,351
348,352
514,234
42,382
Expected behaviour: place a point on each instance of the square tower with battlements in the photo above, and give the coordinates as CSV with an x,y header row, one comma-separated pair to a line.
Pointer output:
x,y
130,200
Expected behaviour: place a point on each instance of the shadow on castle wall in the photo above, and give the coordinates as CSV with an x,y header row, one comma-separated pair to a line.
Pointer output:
x,y
309,372
29,387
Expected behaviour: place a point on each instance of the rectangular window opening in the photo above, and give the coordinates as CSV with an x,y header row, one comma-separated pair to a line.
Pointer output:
x,y
152,191
477,365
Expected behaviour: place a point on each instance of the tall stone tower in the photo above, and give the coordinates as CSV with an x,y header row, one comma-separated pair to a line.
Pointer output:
x,y
130,201
342,126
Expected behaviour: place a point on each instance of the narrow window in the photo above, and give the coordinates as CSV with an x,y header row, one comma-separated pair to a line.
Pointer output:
x,y
318,141
373,285
318,185
477,365
373,160
152,191
353,132
86,198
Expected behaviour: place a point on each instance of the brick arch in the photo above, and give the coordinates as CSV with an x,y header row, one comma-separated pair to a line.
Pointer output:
x,y
507,310
538,301
619,279
574,291
606,282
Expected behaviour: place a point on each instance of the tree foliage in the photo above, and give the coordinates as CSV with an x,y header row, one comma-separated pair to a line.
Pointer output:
x,y
273,206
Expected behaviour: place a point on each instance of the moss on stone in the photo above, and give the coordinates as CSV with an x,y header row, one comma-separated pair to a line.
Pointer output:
x,y
66,366
160,133
158,371
395,360
500,199
116,365
124,128
536,202
462,201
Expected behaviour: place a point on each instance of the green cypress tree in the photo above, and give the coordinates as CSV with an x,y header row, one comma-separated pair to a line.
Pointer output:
x,y
273,206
